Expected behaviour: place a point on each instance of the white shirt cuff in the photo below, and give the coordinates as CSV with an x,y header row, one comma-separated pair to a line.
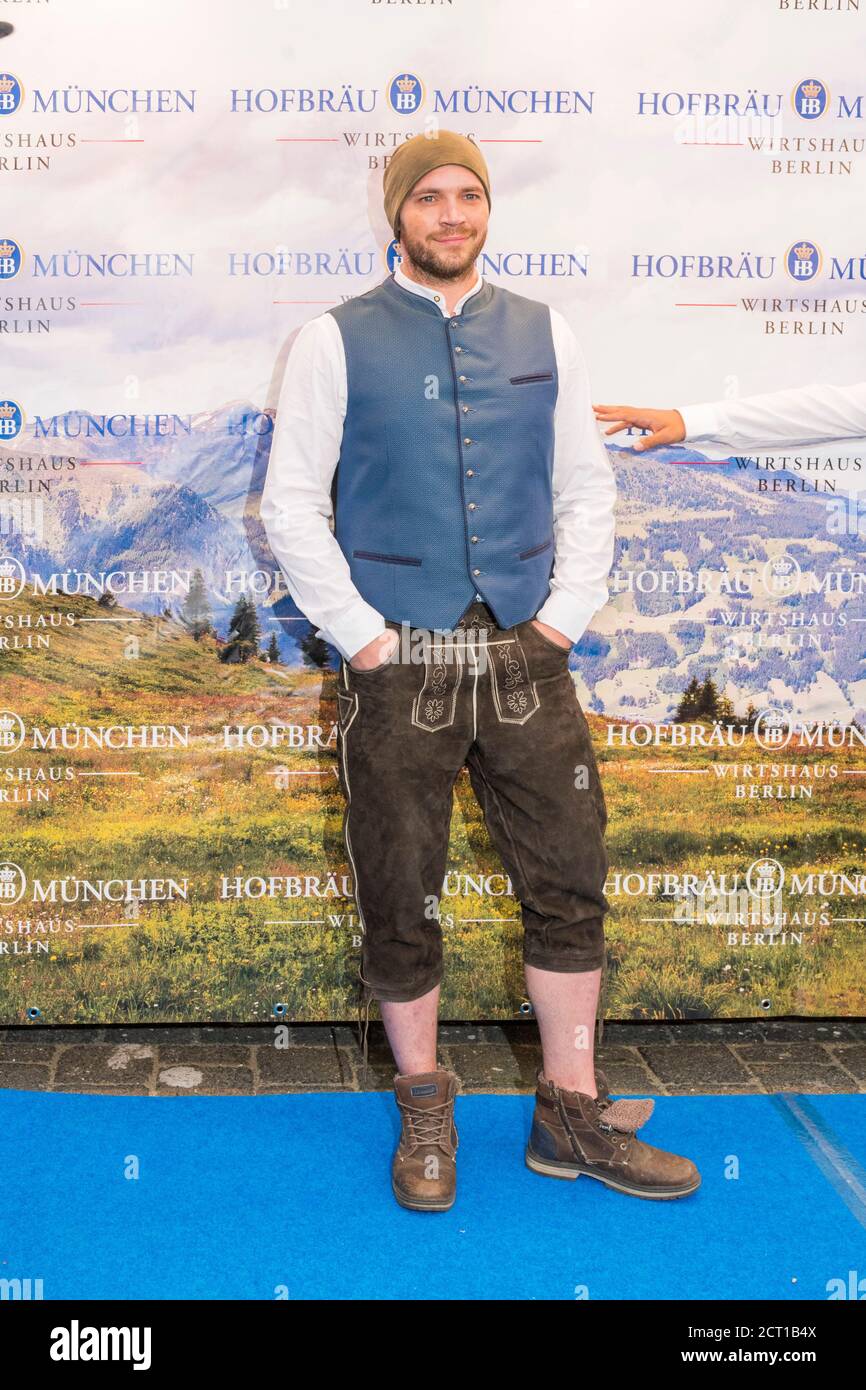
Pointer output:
x,y
568,615
701,420
354,629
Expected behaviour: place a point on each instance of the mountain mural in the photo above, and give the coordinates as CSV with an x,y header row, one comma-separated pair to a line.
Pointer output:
x,y
801,650
191,501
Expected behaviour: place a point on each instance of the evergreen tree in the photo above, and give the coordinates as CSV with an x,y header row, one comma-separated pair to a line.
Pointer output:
x,y
708,699
244,633
195,612
314,650
688,705
273,649
701,701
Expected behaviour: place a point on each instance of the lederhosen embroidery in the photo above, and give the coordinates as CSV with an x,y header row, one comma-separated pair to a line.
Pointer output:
x,y
347,708
435,704
514,693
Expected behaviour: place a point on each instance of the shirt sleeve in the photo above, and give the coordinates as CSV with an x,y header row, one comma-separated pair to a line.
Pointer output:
x,y
296,505
584,496
813,414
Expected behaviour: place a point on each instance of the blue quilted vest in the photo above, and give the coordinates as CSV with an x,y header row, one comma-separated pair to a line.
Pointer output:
x,y
443,487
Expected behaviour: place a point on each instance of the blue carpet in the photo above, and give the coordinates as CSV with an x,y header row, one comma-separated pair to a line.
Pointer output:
x,y
238,1196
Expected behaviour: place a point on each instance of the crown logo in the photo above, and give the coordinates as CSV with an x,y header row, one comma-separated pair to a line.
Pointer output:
x,y
6,82
6,723
6,411
7,248
774,731
6,568
803,252
782,566
7,875
406,84
810,89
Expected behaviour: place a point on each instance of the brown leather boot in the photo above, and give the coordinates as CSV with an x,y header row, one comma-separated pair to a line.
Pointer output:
x,y
424,1169
573,1133
604,1097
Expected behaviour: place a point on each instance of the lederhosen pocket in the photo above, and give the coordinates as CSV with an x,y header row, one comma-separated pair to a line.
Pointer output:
x,y
435,705
514,693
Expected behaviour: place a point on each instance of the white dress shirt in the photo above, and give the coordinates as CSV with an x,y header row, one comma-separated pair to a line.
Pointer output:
x,y
296,506
813,414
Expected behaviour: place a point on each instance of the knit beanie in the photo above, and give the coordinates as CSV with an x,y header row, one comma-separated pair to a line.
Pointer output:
x,y
418,156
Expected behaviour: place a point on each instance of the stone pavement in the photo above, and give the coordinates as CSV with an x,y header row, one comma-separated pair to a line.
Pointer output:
x,y
727,1057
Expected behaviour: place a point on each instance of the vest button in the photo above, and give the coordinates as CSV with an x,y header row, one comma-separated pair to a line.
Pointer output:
x,y
453,323
470,472
462,378
467,441
458,349
476,571
472,506
473,538
465,409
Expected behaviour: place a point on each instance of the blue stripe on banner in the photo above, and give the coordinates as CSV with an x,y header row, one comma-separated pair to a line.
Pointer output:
x,y
839,1166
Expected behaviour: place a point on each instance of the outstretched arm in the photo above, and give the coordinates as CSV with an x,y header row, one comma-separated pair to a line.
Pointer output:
x,y
814,414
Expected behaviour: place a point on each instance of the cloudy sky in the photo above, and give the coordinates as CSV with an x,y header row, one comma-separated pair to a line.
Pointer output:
x,y
216,182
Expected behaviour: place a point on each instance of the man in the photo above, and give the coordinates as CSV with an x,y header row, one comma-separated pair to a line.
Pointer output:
x,y
814,414
473,506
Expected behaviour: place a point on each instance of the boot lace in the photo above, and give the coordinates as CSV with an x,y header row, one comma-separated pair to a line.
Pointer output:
x,y
428,1125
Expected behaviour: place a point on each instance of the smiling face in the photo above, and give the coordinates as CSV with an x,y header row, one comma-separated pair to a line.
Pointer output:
x,y
443,222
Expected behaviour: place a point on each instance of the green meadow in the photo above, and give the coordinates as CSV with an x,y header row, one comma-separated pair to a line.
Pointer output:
x,y
204,811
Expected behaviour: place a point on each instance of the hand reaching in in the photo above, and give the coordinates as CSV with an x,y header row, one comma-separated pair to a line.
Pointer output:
x,y
667,426
376,652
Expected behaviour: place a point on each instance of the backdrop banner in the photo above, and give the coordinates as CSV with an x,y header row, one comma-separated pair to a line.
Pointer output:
x,y
184,186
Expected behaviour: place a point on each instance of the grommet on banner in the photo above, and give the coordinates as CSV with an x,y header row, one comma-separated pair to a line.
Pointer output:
x,y
526,1008
34,1013
280,1009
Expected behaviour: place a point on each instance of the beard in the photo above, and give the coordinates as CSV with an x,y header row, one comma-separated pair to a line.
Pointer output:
x,y
443,262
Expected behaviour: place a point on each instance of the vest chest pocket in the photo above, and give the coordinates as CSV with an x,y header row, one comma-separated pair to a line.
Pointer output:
x,y
387,559
530,376
536,549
